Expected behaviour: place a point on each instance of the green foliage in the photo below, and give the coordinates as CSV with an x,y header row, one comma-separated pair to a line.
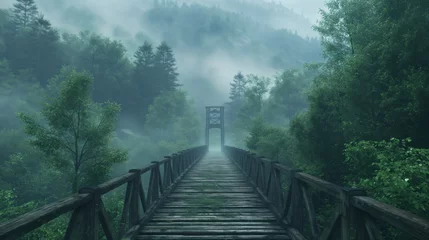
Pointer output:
x,y
25,12
75,140
165,67
71,138
288,95
198,26
392,172
372,88
254,99
238,87
171,118
9,208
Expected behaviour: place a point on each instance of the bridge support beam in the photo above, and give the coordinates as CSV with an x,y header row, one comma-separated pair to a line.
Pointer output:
x,y
215,119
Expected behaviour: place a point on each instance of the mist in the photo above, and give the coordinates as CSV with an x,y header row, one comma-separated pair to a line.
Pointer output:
x,y
94,53
210,70
90,89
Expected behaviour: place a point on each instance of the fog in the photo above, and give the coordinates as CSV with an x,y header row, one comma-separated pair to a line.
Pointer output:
x,y
94,89
211,41
211,70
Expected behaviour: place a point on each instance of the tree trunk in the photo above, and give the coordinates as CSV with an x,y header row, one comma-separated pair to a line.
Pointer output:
x,y
75,184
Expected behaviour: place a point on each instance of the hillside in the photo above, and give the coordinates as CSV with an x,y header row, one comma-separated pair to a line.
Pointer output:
x,y
211,43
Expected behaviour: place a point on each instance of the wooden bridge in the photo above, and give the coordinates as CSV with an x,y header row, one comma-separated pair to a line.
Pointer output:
x,y
233,194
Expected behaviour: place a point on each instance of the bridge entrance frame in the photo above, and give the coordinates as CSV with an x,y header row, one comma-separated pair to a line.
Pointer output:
x,y
215,119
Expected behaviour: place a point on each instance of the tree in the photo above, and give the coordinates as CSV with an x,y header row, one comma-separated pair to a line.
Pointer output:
x,y
255,93
45,53
392,172
31,43
25,13
237,90
106,61
172,122
144,57
142,83
77,134
165,69
238,87
287,97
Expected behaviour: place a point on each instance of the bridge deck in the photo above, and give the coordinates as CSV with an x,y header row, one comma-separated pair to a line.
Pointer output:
x,y
213,201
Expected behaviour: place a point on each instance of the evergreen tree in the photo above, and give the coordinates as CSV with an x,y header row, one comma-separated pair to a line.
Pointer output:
x,y
142,87
238,87
25,12
144,57
165,69
45,50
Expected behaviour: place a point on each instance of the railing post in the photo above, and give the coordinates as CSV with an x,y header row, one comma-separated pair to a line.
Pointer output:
x,y
348,215
155,189
181,158
167,172
297,214
134,215
174,165
84,221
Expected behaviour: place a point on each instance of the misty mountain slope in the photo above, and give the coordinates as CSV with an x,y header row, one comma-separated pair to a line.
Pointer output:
x,y
205,28
236,26
211,43
274,14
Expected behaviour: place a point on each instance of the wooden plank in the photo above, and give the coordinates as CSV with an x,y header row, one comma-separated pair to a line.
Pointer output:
x,y
132,233
210,210
214,184
213,218
219,191
217,237
214,195
209,202
192,213
295,235
221,181
210,231
220,224
213,201
168,228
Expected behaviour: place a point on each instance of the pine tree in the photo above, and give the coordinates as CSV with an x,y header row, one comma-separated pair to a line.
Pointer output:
x,y
165,69
25,12
236,94
44,53
238,87
144,56
143,85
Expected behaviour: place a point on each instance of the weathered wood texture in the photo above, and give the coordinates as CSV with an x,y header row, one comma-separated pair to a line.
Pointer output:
x,y
290,194
249,197
213,201
88,212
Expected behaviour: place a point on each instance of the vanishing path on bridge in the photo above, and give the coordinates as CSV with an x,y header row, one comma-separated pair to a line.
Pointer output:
x,y
213,201
233,194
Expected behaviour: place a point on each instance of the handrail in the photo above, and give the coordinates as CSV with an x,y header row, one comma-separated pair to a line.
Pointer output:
x,y
354,209
87,205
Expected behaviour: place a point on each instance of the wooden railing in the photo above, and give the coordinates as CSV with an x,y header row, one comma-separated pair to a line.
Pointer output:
x,y
355,214
88,208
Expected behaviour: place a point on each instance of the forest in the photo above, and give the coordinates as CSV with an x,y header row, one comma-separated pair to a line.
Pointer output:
x,y
81,107
360,118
